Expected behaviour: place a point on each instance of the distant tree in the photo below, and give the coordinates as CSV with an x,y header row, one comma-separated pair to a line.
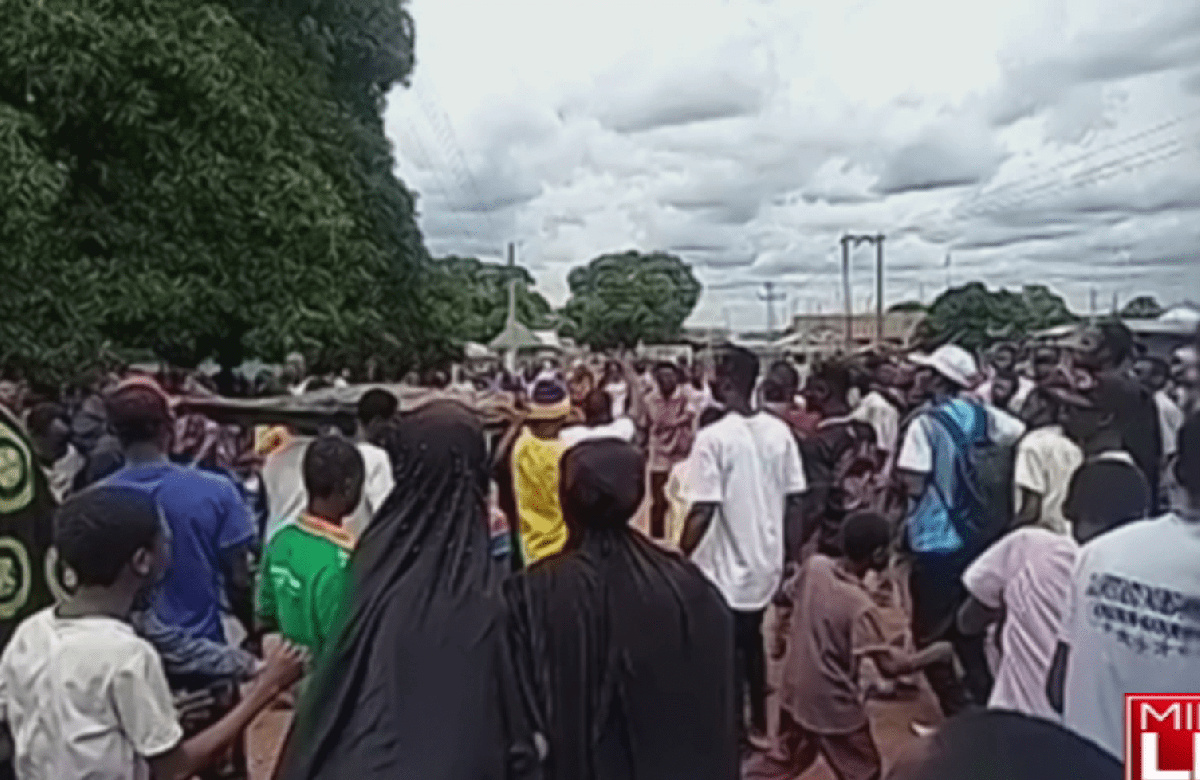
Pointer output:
x,y
905,306
619,300
1145,307
974,317
205,178
471,298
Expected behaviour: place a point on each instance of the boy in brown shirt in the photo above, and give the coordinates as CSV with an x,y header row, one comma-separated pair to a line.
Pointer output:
x,y
827,622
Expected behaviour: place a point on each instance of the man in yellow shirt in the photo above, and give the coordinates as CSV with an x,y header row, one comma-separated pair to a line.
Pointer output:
x,y
535,460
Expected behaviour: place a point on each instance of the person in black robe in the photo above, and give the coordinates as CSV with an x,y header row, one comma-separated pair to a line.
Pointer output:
x,y
420,683
625,649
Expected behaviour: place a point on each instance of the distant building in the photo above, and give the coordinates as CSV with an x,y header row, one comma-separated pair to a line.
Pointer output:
x,y
821,330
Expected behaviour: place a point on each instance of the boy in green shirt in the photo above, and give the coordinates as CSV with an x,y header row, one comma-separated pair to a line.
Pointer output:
x,y
302,585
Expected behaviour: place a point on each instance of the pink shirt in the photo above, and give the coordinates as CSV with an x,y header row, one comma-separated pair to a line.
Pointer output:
x,y
1028,574
670,423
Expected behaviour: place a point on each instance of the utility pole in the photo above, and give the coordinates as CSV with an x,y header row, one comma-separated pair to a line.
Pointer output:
x,y
1093,303
770,296
847,241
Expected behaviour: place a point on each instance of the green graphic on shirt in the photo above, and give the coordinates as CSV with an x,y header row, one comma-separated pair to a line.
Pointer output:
x,y
15,578
16,464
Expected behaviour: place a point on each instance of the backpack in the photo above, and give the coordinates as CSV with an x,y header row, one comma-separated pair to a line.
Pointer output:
x,y
981,508
843,467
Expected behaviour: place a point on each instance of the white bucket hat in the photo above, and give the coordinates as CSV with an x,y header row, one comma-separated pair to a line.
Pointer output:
x,y
952,362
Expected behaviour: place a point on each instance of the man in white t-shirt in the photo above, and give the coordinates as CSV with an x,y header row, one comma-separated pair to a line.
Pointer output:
x,y
1046,459
598,422
1132,623
375,408
745,486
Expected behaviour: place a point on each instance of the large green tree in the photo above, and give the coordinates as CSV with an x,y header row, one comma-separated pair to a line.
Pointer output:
x,y
1143,307
618,300
205,179
975,317
471,298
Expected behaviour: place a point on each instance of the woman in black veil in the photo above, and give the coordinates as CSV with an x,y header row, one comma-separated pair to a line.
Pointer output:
x,y
420,683
625,649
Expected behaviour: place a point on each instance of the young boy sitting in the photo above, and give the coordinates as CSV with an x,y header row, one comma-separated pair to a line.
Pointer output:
x,y
302,589
84,696
827,622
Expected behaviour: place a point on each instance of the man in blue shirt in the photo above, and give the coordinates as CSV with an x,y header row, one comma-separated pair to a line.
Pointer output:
x,y
933,457
210,527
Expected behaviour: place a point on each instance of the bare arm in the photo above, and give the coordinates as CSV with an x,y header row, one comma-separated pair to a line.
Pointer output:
x,y
284,666
239,584
894,662
699,518
1029,509
1056,681
795,534
914,482
974,617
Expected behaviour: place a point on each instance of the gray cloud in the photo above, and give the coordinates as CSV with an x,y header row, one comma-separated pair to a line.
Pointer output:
x,y
944,157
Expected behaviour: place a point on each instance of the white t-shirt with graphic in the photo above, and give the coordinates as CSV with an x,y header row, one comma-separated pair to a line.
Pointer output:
x,y
84,697
1132,623
748,466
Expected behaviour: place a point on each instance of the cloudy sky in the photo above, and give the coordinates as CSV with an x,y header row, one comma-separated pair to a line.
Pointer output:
x,y
1052,141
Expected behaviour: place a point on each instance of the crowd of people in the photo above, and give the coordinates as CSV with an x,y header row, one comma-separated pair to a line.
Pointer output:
x,y
598,589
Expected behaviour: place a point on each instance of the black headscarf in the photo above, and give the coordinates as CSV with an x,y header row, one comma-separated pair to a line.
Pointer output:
x,y
1000,745
626,650
419,684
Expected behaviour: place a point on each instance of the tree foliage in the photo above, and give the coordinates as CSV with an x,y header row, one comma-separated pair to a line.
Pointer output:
x,y
618,300
974,317
1144,307
204,179
471,298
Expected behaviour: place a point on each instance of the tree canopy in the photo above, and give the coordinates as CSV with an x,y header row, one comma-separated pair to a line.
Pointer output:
x,y
205,179
471,298
618,300
1144,307
974,317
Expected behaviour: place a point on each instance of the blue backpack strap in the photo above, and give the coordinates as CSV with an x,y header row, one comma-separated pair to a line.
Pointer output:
x,y
964,473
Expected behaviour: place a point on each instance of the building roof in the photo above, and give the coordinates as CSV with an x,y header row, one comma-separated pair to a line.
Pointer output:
x,y
515,336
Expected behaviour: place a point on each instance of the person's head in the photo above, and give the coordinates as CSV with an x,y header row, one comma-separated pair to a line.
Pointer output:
x,y
1105,345
1004,389
333,472
1187,461
1089,408
708,416
112,538
781,383
865,537
1002,745
581,383
736,374
827,386
376,406
49,432
601,486
949,370
294,367
597,408
549,405
1151,372
612,372
641,366
140,415
666,376
1046,360
1004,357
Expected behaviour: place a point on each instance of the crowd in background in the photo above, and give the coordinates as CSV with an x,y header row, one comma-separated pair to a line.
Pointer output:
x,y
998,502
